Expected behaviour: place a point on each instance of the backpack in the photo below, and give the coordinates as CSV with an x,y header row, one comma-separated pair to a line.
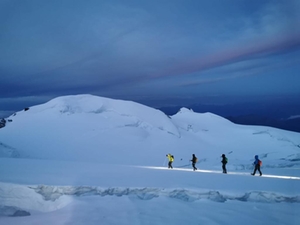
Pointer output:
x,y
172,156
196,159
226,160
260,162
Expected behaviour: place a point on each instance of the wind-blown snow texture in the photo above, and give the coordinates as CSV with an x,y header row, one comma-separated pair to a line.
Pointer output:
x,y
57,159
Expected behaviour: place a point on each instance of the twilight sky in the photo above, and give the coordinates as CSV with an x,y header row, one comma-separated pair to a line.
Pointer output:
x,y
158,52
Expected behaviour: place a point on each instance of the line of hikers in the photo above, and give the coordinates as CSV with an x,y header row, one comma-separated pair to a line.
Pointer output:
x,y
257,163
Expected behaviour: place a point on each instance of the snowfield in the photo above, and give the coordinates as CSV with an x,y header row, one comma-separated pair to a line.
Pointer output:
x,y
90,160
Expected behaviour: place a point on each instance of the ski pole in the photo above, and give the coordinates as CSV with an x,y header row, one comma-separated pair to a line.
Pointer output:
x,y
164,162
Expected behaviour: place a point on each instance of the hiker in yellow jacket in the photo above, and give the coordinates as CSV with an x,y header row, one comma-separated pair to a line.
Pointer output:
x,y
171,159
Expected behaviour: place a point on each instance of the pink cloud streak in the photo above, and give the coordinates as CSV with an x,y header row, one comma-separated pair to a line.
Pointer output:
x,y
237,54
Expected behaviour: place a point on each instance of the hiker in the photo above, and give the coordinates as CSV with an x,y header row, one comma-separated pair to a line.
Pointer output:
x,y
171,159
224,162
194,161
257,163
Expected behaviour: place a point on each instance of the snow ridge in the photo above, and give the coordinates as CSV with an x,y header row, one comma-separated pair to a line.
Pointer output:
x,y
52,193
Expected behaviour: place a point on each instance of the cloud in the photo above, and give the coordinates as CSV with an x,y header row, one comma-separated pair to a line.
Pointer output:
x,y
237,54
52,48
41,36
293,117
273,28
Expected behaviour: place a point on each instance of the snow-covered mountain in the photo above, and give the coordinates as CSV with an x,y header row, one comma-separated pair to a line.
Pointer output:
x,y
91,128
87,160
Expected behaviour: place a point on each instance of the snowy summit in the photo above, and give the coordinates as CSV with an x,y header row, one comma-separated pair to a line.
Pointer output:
x,y
84,159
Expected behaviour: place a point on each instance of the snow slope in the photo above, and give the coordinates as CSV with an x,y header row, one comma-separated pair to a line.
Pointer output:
x,y
91,128
91,160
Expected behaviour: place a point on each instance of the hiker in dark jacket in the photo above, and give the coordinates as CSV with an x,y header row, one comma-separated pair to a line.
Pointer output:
x,y
224,162
194,161
256,164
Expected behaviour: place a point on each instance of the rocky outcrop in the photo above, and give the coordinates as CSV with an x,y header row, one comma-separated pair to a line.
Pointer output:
x,y
2,123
